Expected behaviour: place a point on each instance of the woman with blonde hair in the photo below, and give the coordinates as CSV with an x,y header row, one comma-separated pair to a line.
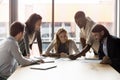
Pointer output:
x,y
62,45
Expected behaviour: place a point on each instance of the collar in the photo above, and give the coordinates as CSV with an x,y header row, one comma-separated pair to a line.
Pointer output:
x,y
104,40
12,38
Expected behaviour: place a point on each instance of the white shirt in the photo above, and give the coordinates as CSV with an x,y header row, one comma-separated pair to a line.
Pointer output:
x,y
105,46
31,38
87,34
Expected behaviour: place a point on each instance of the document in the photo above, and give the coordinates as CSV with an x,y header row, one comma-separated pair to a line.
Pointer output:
x,y
44,66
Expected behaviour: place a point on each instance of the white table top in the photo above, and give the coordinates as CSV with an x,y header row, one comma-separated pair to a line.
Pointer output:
x,y
66,69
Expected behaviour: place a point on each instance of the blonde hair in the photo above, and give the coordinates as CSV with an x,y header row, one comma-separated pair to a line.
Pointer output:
x,y
57,40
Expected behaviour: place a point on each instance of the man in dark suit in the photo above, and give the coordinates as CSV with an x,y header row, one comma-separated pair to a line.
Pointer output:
x,y
109,50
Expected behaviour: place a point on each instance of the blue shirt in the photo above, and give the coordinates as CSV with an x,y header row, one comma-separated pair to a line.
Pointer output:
x,y
10,54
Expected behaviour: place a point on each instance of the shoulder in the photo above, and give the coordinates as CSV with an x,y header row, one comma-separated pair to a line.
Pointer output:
x,y
53,42
90,22
71,41
113,37
114,40
26,34
10,42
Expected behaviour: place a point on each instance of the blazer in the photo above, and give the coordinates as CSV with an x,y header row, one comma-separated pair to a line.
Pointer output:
x,y
24,44
113,49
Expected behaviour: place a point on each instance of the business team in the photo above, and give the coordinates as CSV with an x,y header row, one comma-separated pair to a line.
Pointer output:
x,y
14,50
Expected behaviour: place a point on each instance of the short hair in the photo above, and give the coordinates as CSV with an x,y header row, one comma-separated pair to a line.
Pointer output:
x,y
79,14
15,28
30,23
99,28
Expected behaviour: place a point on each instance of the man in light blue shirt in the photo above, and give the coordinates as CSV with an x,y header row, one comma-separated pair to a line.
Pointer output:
x,y
10,53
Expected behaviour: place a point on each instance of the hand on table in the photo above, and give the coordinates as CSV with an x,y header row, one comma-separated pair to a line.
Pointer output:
x,y
105,60
63,55
46,54
51,55
39,61
72,57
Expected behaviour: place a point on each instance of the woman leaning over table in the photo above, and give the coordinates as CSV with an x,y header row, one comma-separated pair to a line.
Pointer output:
x,y
32,32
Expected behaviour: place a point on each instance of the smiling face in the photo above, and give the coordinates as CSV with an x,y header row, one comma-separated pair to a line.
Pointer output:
x,y
80,19
81,22
63,37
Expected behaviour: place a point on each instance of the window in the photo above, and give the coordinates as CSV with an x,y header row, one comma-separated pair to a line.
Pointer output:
x,y
100,11
4,18
43,8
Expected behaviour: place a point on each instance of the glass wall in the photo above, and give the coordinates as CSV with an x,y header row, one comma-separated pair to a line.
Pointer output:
x,y
4,18
43,8
100,11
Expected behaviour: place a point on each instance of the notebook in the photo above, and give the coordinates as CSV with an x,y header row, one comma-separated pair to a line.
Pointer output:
x,y
43,66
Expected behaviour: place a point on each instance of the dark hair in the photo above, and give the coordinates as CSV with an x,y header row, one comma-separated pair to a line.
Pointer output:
x,y
15,28
79,14
99,28
30,23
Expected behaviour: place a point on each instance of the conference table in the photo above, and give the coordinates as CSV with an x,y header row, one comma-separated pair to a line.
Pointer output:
x,y
66,69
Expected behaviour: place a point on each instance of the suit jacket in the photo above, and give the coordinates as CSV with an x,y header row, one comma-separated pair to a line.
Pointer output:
x,y
24,44
113,49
